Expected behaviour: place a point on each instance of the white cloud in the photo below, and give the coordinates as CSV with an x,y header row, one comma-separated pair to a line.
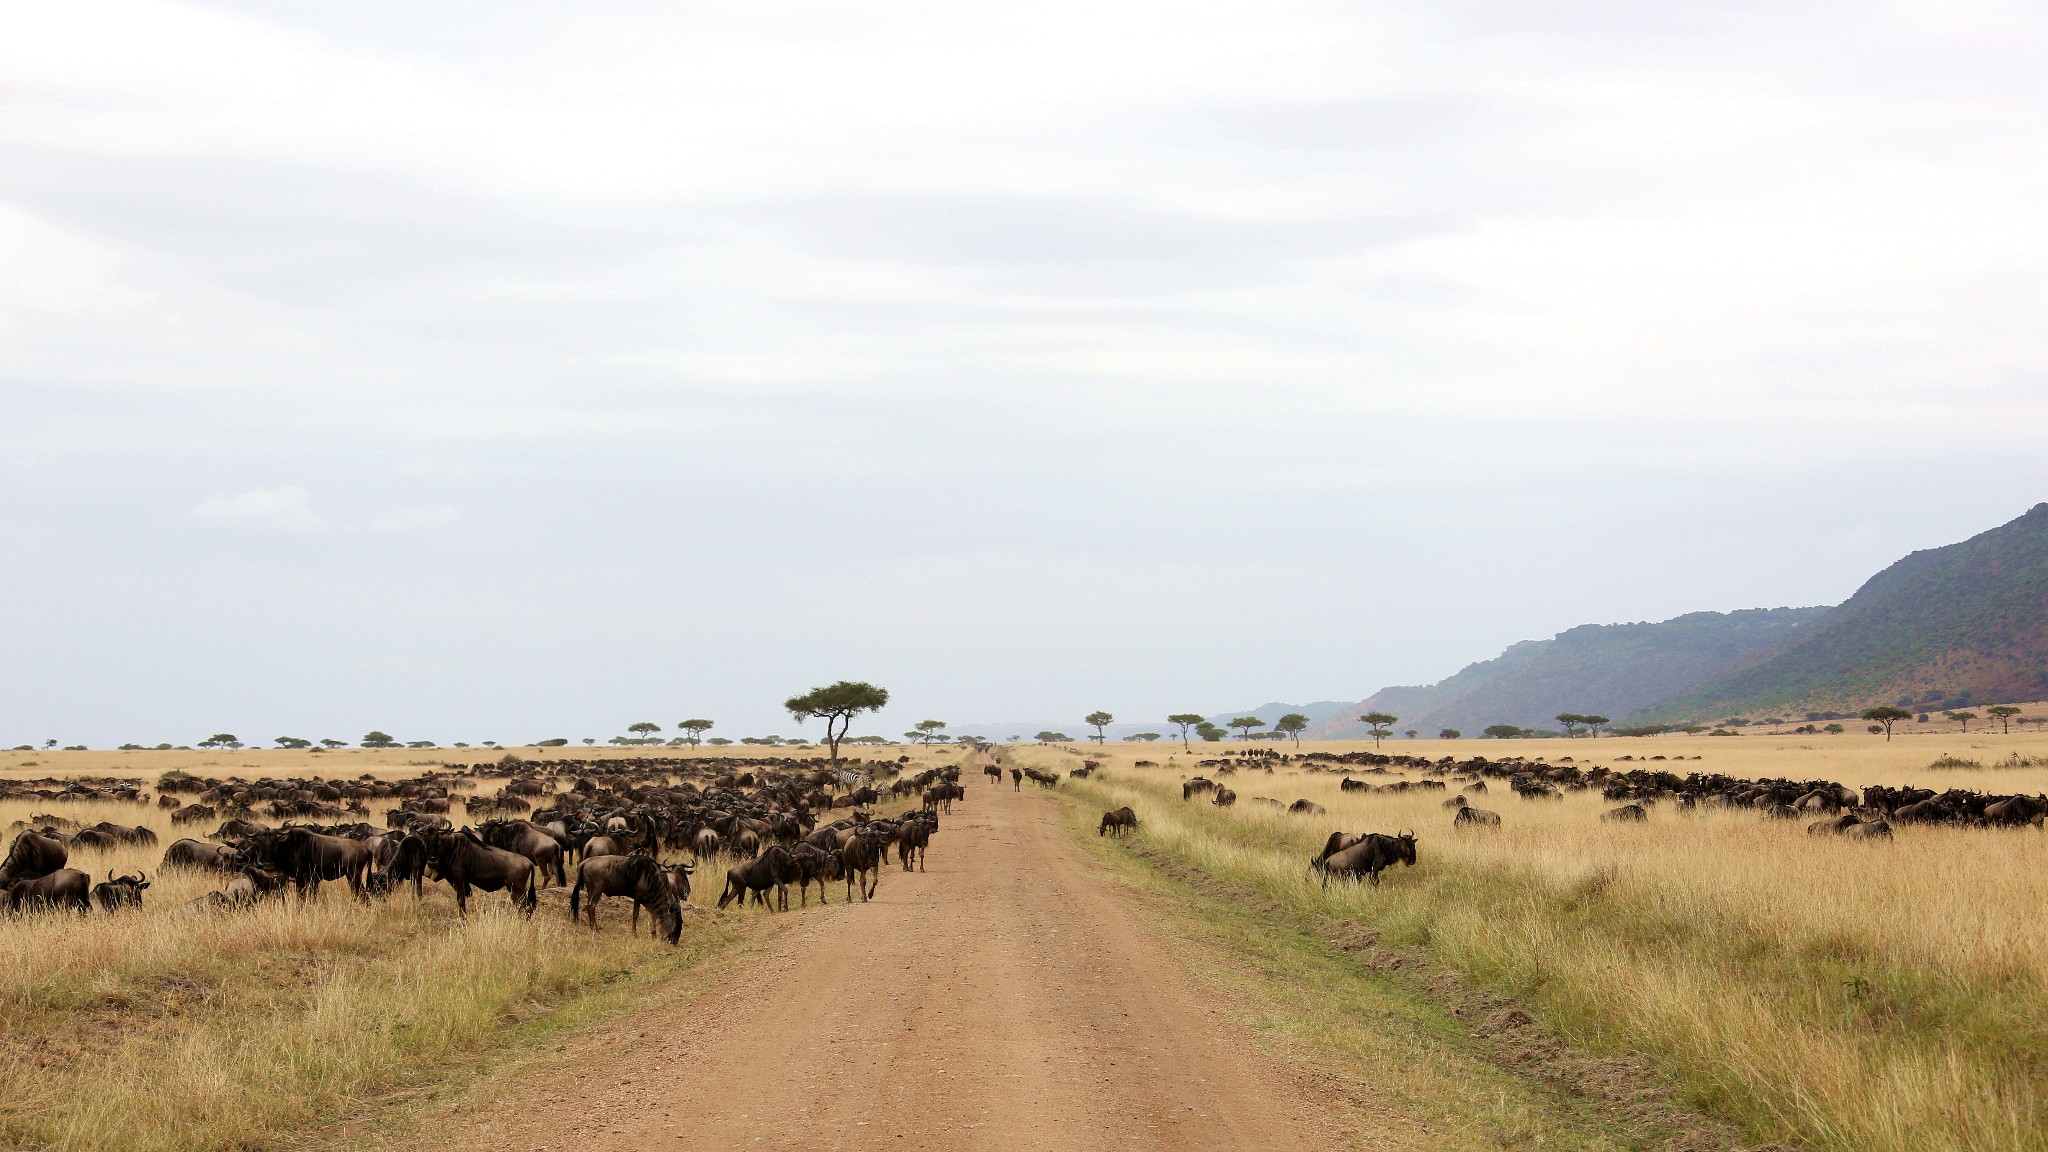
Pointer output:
x,y
414,520
287,509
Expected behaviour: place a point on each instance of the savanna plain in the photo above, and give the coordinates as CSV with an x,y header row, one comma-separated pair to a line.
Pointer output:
x,y
1705,978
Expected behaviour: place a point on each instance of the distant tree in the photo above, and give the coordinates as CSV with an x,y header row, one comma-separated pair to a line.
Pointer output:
x,y
1147,737
694,730
331,742
1411,733
1050,737
1247,723
49,744
1210,733
837,704
1692,729
2003,713
221,740
1571,722
1450,734
1964,718
1834,729
645,730
552,742
1099,721
927,731
590,739
1185,721
1594,723
1886,717
1504,731
292,742
419,744
1381,724
1293,724
718,741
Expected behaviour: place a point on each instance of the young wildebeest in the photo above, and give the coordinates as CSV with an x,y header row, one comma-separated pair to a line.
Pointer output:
x,y
118,892
1626,814
1224,798
774,868
1475,818
466,862
1117,821
64,888
638,878
1369,857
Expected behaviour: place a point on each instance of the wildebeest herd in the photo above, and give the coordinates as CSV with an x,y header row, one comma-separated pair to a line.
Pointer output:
x,y
615,821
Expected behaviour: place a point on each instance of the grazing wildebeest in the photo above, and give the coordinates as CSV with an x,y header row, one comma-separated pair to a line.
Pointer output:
x,y
117,892
861,856
1338,842
63,888
1306,807
33,855
200,854
679,879
774,869
1224,798
2014,811
1877,829
1117,821
253,885
307,858
1457,802
408,863
194,814
1347,784
1189,789
1626,814
529,840
1475,818
704,845
639,879
1369,857
466,862
746,843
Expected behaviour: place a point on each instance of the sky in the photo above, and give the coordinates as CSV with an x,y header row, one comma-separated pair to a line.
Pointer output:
x,y
511,370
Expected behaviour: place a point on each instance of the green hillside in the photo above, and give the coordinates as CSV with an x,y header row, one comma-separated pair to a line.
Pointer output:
x,y
1610,669
1943,627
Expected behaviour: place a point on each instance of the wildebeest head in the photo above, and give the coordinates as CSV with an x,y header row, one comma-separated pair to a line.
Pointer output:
x,y
120,892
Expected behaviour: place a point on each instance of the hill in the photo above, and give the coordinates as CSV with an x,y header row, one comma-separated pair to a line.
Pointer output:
x,y
1941,628
1610,669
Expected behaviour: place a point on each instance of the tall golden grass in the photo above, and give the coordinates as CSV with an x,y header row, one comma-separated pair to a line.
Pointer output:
x,y
1842,995
165,1030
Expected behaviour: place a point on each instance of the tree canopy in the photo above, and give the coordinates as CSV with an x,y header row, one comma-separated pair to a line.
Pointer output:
x,y
1185,721
1293,724
1886,717
837,705
1381,724
1099,721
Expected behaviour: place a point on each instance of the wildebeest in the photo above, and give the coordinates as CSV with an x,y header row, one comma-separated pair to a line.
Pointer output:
x,y
33,855
117,892
913,838
814,863
466,862
1469,817
1189,789
774,868
1224,798
1306,807
704,845
1373,854
307,858
861,856
1116,821
1626,814
253,885
637,878
1016,779
63,888
199,854
1457,802
529,840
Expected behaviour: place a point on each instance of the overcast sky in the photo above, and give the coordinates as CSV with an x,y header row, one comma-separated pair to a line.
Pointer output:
x,y
506,370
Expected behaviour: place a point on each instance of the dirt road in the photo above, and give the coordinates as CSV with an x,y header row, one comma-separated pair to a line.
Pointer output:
x,y
1008,998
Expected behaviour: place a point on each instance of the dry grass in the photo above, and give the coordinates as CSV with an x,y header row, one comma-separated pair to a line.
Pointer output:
x,y
1840,995
168,1030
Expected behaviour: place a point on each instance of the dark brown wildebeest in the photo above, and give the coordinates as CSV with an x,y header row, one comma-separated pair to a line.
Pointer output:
x,y
1877,829
408,863
1834,826
253,885
529,840
774,869
194,814
1369,857
1306,807
1469,817
637,878
913,836
1224,798
1347,784
33,855
2014,811
941,796
63,888
1338,842
237,829
1457,802
118,892
466,862
307,858
994,772
1626,814
1189,789
746,843
814,864
704,845
1016,779
199,854
861,857
1117,821
679,879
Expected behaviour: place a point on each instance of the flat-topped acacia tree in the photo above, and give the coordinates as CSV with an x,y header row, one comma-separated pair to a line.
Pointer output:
x,y
1185,721
837,705
1887,716
1099,721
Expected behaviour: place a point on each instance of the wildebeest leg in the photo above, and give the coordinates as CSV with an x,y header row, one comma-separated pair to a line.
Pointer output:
x,y
531,902
461,900
782,894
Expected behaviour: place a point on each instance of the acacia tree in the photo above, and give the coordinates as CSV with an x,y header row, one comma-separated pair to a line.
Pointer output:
x,y
1887,716
1381,725
1185,721
1099,721
837,705
2003,713
1449,734
1247,723
221,740
1293,724
1964,718
1571,722
926,731
644,730
1594,723
696,730
375,739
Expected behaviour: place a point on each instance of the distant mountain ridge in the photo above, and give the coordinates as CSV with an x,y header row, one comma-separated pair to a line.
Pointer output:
x,y
1610,669
1941,627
